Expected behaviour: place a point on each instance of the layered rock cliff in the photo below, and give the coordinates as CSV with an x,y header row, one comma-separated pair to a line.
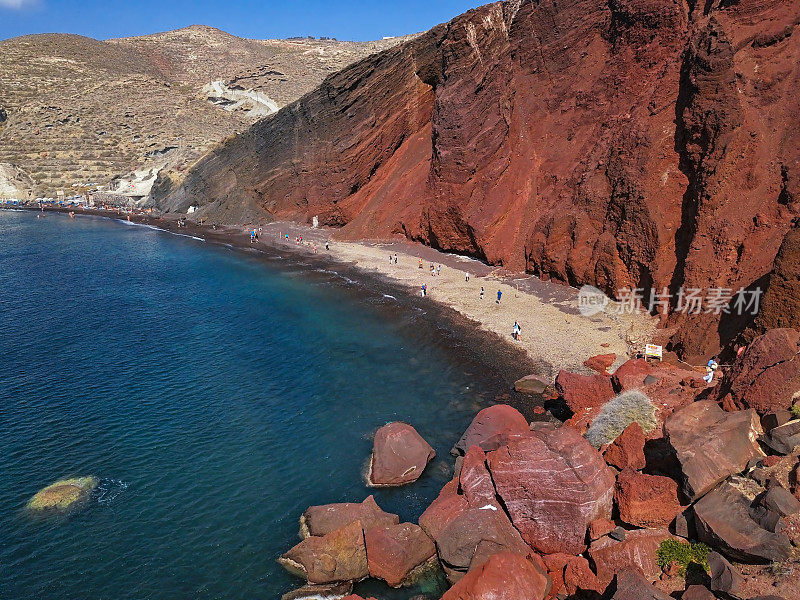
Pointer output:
x,y
626,143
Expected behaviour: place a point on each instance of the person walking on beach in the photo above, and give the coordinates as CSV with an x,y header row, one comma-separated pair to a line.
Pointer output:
x,y
438,270
481,292
327,246
420,263
499,296
517,331
467,278
424,290
395,258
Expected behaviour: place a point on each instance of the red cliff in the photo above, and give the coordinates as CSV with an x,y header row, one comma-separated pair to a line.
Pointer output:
x,y
620,143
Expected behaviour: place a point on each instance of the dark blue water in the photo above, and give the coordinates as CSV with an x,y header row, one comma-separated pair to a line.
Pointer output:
x,y
215,396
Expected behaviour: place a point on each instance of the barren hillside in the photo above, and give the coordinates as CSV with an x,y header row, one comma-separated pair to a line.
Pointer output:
x,y
74,110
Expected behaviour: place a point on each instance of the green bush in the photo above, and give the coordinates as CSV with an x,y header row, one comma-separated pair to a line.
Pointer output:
x,y
684,554
796,410
618,413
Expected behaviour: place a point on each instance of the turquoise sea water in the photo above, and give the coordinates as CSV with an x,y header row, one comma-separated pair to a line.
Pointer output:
x,y
215,395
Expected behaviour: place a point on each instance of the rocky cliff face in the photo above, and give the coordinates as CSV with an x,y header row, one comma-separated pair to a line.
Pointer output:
x,y
626,143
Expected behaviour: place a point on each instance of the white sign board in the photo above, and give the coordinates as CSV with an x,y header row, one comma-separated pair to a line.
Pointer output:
x,y
653,351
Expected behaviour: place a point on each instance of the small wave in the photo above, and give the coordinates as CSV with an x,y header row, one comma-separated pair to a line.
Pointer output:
x,y
154,228
109,490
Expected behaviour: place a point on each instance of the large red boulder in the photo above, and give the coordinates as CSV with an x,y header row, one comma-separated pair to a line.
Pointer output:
x,y
766,377
338,556
490,427
711,444
638,551
399,455
322,520
584,391
467,522
505,576
646,500
396,552
553,484
627,451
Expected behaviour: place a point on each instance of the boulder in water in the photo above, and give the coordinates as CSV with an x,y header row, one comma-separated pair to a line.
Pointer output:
x,y
322,520
64,495
338,556
399,455
491,428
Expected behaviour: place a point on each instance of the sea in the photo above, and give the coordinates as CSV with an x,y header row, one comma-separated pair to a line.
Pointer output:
x,y
216,394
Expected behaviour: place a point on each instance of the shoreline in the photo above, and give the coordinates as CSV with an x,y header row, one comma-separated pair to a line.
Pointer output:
x,y
554,336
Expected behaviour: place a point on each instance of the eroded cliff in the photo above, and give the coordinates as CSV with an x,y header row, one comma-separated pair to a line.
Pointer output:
x,y
626,143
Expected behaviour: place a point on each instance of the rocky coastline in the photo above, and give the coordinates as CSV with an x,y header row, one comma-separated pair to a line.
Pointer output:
x,y
695,497
703,504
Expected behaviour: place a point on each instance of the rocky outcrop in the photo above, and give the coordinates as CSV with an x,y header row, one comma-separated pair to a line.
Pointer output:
x,y
322,520
335,557
724,520
399,455
553,484
504,576
766,377
467,521
623,144
782,297
15,183
581,392
491,427
711,444
63,496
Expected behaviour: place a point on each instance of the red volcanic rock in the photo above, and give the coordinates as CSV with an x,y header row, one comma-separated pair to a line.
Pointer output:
x,y
399,455
711,444
766,376
632,374
779,307
627,451
600,363
638,551
505,576
698,592
394,552
584,391
533,384
625,144
322,520
570,574
489,427
632,586
553,484
466,521
600,527
646,500
338,556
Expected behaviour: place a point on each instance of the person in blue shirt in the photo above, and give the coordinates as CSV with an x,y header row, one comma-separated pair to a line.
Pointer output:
x,y
499,295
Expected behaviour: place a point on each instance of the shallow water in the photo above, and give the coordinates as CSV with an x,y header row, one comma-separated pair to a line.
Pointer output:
x,y
215,396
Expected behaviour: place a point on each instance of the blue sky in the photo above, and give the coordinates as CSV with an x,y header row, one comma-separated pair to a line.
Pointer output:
x,y
342,19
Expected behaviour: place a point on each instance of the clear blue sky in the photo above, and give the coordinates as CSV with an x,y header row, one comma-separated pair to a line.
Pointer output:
x,y
342,19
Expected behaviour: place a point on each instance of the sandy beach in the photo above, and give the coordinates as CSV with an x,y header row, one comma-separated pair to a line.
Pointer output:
x,y
554,333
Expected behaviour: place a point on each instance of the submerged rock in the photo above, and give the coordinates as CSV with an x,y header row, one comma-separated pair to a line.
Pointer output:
x,y
331,591
399,455
63,496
